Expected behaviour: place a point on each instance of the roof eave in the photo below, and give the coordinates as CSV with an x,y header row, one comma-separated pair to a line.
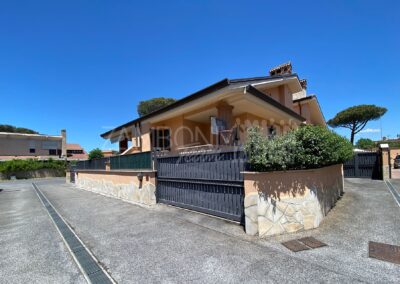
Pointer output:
x,y
255,92
214,87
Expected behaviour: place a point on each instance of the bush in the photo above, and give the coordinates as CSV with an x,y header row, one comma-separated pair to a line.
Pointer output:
x,y
30,165
365,143
307,147
95,154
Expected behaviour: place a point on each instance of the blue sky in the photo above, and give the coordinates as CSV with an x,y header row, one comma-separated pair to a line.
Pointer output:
x,y
84,65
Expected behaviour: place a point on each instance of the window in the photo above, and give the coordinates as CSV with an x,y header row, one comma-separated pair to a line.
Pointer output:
x,y
74,151
32,150
271,132
53,152
161,139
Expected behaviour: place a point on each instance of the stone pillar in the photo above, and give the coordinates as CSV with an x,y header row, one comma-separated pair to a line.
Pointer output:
x,y
108,165
386,167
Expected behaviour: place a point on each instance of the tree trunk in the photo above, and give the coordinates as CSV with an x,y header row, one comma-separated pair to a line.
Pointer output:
x,y
352,135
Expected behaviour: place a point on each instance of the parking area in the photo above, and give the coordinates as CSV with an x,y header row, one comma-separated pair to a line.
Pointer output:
x,y
166,244
396,174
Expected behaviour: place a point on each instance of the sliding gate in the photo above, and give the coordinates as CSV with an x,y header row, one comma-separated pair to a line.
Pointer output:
x,y
364,165
210,182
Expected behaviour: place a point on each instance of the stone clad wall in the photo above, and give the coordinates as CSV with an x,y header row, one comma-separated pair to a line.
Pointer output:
x,y
290,201
121,185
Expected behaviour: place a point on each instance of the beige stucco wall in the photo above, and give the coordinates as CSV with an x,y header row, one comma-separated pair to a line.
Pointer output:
x,y
281,94
305,111
19,146
123,185
290,201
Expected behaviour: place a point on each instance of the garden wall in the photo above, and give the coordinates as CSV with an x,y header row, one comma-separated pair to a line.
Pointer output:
x,y
290,201
125,185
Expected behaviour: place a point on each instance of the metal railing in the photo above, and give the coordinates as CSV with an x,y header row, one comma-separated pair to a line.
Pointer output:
x,y
132,162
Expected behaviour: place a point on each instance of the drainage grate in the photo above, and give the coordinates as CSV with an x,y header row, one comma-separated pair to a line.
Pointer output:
x,y
385,252
86,261
312,242
303,244
295,246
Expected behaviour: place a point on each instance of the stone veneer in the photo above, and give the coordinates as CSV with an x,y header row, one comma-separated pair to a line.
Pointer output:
x,y
122,185
290,201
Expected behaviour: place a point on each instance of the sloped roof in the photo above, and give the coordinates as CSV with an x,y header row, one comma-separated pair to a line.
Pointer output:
x,y
74,146
225,83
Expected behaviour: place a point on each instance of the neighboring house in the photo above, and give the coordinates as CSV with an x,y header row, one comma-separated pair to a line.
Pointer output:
x,y
109,153
38,146
394,145
76,152
220,115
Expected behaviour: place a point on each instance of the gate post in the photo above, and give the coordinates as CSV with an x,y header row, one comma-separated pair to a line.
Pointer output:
x,y
356,167
386,167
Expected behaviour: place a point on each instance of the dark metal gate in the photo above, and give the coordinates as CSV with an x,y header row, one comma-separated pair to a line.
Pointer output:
x,y
364,165
210,182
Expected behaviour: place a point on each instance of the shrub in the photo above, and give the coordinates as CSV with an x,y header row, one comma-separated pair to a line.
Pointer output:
x,y
365,143
305,148
30,165
95,154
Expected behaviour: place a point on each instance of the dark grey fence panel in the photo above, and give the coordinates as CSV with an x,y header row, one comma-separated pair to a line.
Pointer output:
x,y
133,161
364,165
210,182
95,164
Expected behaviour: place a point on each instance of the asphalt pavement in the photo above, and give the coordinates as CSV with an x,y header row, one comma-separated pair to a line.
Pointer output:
x,y
170,245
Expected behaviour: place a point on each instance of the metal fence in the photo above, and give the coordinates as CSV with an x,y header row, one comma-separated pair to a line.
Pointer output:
x,y
95,164
207,182
364,165
132,162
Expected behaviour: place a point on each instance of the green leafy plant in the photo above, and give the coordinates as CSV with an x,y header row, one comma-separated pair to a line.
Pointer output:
x,y
305,148
14,166
365,143
152,105
95,154
356,118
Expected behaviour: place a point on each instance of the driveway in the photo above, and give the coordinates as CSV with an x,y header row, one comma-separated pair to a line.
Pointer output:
x,y
31,249
166,244
396,174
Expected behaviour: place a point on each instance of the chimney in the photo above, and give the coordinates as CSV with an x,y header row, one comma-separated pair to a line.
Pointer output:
x,y
64,143
303,83
285,68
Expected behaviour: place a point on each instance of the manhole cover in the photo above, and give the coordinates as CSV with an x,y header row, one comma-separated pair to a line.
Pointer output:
x,y
312,242
295,245
384,252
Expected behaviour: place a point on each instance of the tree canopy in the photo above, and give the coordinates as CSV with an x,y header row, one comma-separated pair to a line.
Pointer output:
x,y
95,154
365,144
14,129
356,118
152,105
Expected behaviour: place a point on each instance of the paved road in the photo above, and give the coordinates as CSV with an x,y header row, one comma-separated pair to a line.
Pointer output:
x,y
31,250
171,245
396,174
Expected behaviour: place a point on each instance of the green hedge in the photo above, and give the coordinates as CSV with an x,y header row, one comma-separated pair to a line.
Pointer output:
x,y
308,147
30,165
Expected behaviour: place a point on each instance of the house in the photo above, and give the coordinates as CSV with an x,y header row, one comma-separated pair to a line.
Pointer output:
x,y
76,152
201,166
219,115
109,153
38,146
